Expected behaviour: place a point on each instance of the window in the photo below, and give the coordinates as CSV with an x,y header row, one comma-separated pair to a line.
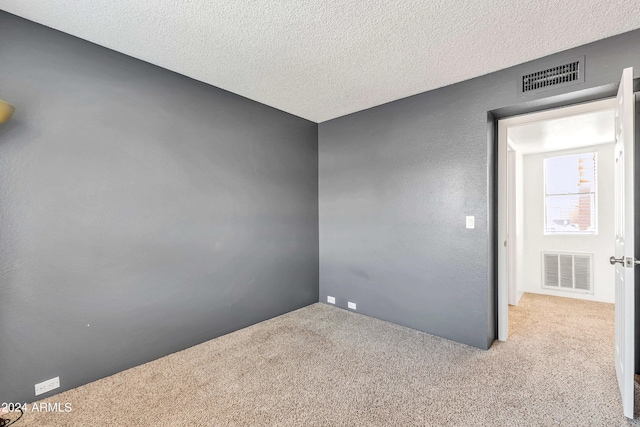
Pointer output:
x,y
570,194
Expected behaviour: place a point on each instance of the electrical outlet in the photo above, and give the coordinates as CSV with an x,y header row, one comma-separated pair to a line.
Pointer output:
x,y
352,305
331,300
48,385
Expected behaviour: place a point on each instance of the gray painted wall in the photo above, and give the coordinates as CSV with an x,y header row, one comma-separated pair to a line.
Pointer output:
x,y
160,211
397,180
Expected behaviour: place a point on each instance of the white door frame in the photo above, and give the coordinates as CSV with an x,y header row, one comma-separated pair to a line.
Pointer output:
x,y
512,236
503,223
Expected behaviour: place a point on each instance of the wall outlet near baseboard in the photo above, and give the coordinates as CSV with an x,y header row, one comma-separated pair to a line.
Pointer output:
x,y
352,305
47,385
331,300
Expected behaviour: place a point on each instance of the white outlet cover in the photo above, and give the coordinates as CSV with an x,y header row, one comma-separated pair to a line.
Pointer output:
x,y
352,305
331,300
47,385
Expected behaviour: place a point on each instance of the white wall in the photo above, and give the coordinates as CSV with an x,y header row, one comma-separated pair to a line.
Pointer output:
x,y
515,233
521,260
534,242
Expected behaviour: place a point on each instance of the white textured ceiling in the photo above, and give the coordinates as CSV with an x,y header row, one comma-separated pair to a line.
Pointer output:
x,y
321,59
576,131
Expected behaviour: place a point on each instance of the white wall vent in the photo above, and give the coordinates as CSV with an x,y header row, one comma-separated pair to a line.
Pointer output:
x,y
567,271
551,77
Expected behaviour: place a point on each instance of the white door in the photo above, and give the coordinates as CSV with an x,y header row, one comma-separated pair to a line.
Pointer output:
x,y
624,259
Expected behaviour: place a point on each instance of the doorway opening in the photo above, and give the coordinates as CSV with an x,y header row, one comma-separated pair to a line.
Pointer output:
x,y
623,260
556,222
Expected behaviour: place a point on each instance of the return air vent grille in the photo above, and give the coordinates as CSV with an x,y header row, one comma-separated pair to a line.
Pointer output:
x,y
553,77
567,271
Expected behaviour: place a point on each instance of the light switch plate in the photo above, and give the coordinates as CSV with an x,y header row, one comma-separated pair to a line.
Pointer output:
x,y
471,222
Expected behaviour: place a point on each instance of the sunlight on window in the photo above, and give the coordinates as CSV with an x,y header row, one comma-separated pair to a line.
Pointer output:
x,y
570,194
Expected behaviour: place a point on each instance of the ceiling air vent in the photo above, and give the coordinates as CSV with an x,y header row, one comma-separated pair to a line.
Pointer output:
x,y
553,77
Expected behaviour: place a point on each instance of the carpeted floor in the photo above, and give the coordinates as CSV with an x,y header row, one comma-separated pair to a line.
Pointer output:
x,y
323,366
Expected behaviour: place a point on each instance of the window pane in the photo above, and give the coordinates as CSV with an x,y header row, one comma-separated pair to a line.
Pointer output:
x,y
574,213
570,174
570,200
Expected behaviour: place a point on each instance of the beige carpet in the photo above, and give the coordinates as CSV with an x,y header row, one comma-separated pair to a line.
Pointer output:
x,y
323,366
